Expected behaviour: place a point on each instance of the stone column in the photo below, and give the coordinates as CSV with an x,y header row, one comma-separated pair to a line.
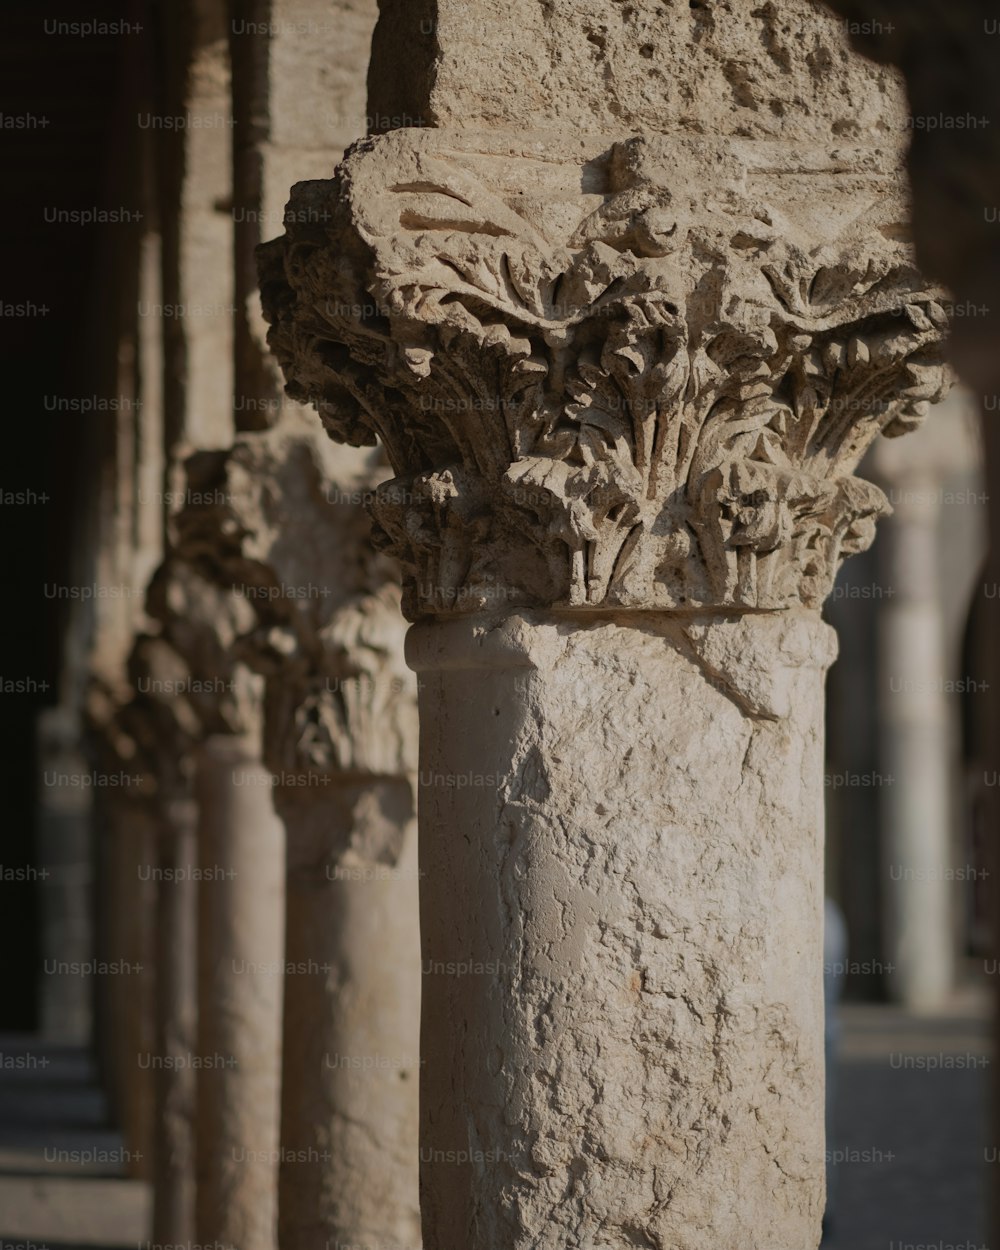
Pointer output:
x,y
125,899
64,815
622,929
241,860
340,739
240,912
162,719
177,1022
623,383
352,999
352,1003
340,707
916,701
132,971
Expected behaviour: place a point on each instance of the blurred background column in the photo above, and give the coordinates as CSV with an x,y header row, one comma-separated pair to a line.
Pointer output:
x,y
176,1021
340,704
240,975
918,704
340,739
66,912
947,53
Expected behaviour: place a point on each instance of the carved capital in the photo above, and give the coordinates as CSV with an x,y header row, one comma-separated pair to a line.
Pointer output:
x,y
612,375
277,522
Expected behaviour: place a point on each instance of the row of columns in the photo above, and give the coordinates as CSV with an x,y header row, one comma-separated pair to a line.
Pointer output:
x,y
263,876
620,359
956,188
623,380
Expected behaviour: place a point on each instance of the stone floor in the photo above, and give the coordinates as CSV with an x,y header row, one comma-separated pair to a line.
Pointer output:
x,y
909,1144
911,1130
61,1168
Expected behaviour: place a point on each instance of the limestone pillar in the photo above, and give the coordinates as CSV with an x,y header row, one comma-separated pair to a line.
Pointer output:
x,y
352,1003
215,714
339,705
240,968
163,720
132,971
917,701
621,996
64,815
161,717
123,981
216,1062
177,1023
352,999
340,735
947,53
623,382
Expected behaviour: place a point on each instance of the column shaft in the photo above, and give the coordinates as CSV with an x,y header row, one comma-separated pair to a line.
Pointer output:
x,y
915,752
240,946
130,977
351,1020
64,825
621,908
176,1025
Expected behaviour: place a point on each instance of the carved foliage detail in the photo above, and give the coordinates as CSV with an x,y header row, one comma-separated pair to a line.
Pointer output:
x,y
281,530
651,391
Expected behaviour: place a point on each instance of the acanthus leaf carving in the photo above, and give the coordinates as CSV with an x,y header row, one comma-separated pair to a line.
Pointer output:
x,y
274,524
609,375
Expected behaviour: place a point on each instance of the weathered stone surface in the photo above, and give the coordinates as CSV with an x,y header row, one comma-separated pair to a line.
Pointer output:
x,y
625,824
643,382
755,68
623,381
352,1011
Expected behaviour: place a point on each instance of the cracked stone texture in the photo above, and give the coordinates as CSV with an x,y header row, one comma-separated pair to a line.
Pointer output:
x,y
644,383
624,819
617,373
753,68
